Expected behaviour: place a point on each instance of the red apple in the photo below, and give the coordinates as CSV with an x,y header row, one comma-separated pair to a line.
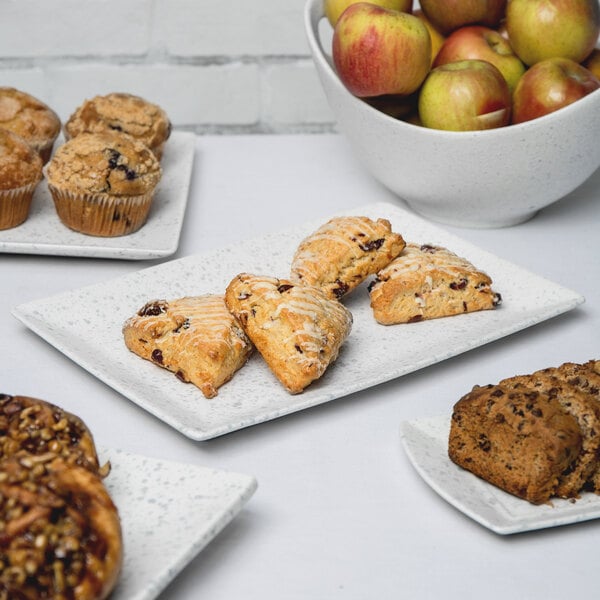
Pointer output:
x,y
549,85
334,8
483,43
377,51
466,95
437,39
448,15
540,29
592,62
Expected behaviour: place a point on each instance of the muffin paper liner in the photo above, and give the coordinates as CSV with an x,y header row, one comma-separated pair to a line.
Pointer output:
x,y
101,214
15,205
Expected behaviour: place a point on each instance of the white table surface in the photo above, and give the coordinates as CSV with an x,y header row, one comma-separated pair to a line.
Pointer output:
x,y
339,511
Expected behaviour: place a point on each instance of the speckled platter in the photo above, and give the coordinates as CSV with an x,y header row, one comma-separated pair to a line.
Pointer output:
x,y
426,444
169,512
43,232
85,324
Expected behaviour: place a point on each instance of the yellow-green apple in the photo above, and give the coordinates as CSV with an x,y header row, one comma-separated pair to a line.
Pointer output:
x,y
334,8
483,43
592,62
437,39
448,15
540,29
378,51
466,95
550,85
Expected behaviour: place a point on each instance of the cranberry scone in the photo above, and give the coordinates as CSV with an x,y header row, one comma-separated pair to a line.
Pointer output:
x,y
343,252
195,337
428,282
297,329
30,426
61,533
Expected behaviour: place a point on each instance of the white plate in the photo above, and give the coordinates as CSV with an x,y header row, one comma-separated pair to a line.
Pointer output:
x,y
426,444
169,513
85,325
43,232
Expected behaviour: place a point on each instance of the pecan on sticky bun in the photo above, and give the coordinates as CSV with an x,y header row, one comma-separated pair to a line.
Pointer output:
x,y
37,427
60,533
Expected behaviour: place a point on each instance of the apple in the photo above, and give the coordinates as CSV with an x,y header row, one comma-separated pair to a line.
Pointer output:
x,y
378,51
483,43
437,39
550,85
466,95
334,8
541,29
592,62
448,15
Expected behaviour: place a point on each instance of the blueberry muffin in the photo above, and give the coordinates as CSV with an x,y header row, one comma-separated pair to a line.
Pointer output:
x,y
127,113
20,173
103,184
29,118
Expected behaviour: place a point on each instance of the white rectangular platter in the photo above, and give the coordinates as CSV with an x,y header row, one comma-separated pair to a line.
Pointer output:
x,y
169,512
85,325
43,233
426,444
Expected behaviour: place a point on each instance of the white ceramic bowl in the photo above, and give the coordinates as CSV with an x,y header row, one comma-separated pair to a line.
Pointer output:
x,y
493,178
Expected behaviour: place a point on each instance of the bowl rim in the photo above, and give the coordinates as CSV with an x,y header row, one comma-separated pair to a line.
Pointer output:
x,y
314,12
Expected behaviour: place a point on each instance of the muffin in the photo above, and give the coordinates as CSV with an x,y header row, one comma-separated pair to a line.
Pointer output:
x,y
130,114
103,183
20,173
26,116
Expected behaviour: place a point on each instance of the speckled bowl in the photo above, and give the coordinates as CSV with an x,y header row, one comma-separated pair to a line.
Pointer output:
x,y
493,178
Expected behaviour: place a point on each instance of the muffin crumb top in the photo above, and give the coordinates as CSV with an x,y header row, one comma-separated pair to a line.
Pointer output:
x,y
20,164
104,163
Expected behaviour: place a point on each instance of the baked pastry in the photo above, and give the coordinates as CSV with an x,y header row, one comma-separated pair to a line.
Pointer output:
x,y
520,440
103,184
30,119
343,252
196,338
297,329
127,113
30,426
428,282
61,534
20,173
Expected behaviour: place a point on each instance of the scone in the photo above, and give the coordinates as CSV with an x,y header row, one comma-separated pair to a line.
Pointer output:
x,y
30,119
20,173
61,533
428,282
30,426
103,184
343,253
196,338
297,329
522,441
143,120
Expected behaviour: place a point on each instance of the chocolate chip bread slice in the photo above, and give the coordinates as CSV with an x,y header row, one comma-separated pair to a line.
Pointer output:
x,y
584,408
428,282
297,329
343,252
195,337
519,440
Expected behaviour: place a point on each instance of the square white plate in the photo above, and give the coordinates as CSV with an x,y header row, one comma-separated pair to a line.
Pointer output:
x,y
86,324
43,232
169,512
426,444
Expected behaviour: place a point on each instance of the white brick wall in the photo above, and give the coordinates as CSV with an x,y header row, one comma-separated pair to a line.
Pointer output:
x,y
214,65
